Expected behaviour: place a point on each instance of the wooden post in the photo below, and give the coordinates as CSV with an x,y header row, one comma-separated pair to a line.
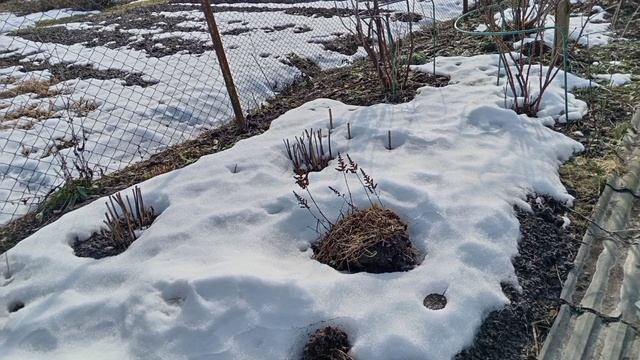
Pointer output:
x,y
224,65
465,6
561,32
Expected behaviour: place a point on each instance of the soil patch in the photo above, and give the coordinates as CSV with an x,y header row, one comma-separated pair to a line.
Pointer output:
x,y
546,252
435,301
98,246
307,67
374,240
67,71
343,44
329,343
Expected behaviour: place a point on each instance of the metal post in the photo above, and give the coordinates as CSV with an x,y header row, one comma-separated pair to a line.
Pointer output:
x,y
224,65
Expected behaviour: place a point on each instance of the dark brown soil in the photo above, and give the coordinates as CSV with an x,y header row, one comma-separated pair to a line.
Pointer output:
x,y
435,301
329,343
408,17
372,240
65,71
98,246
344,44
307,67
546,253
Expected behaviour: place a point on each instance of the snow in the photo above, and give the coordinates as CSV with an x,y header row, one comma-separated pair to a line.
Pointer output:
x,y
225,272
615,79
10,22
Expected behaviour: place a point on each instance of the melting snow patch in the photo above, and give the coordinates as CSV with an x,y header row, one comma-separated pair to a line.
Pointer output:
x,y
614,79
226,270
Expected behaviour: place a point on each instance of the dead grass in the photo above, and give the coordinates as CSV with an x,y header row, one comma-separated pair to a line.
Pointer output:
x,y
373,240
5,80
39,87
83,106
122,7
31,112
602,130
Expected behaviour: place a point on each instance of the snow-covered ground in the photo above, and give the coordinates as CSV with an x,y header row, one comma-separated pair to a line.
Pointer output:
x,y
225,272
186,92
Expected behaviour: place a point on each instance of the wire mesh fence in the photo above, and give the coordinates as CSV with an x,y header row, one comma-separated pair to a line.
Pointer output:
x,y
90,89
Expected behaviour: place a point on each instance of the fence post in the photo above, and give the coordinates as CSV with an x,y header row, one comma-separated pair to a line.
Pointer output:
x,y
224,65
465,6
561,32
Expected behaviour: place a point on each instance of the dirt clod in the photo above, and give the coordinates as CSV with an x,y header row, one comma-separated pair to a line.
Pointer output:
x,y
329,343
374,240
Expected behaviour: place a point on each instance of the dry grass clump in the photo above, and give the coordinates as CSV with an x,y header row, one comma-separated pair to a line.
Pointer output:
x,y
38,87
84,106
123,223
374,240
31,112
329,343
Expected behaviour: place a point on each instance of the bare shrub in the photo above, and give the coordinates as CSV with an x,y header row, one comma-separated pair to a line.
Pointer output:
x,y
518,51
372,27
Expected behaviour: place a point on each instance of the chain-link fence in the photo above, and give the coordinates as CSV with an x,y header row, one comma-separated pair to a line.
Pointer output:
x,y
89,90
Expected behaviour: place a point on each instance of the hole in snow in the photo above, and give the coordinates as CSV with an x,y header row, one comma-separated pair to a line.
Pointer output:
x,y
233,168
435,301
15,306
